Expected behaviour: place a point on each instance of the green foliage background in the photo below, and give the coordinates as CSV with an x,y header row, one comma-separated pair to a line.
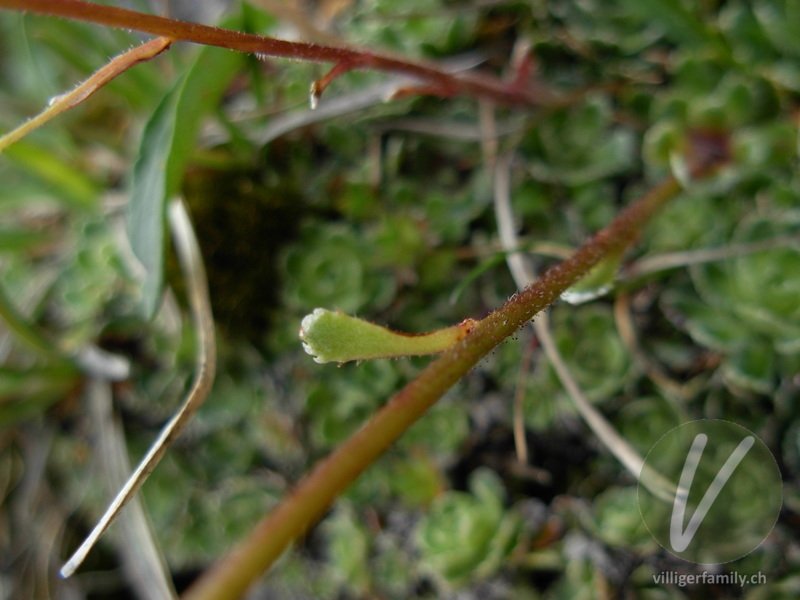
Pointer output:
x,y
383,212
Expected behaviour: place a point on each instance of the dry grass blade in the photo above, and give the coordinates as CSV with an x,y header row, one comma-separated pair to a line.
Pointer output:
x,y
141,558
674,260
64,102
192,264
520,442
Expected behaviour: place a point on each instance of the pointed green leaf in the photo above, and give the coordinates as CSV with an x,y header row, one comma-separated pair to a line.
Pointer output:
x,y
149,195
69,184
596,283
167,144
677,21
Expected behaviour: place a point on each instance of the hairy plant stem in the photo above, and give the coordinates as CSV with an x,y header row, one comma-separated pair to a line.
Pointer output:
x,y
232,576
59,104
344,58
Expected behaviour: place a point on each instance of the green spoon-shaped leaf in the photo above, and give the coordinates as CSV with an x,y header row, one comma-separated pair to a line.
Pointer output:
x,y
332,336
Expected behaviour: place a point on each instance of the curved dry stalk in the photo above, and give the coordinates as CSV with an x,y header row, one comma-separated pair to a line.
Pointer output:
x,y
142,560
59,104
648,265
189,255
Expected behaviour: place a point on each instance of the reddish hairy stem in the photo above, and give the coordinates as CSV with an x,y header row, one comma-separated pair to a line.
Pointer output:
x,y
323,82
231,577
236,572
475,85
115,68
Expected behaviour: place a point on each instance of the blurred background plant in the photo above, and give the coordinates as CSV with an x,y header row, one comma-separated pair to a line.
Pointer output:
x,y
384,209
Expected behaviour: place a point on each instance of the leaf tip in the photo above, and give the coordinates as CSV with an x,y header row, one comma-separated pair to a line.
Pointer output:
x,y
307,326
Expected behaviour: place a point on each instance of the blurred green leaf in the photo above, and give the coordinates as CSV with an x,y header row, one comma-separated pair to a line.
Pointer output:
x,y
443,429
676,20
16,239
167,144
751,367
342,399
618,520
643,421
27,393
748,307
709,326
348,549
781,22
66,181
331,266
579,145
596,283
467,536
417,479
90,278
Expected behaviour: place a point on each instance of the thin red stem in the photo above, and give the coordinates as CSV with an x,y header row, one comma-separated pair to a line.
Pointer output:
x,y
472,84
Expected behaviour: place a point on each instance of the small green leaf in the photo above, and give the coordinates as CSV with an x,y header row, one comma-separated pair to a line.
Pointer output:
x,y
780,20
336,337
618,520
468,536
417,480
596,283
752,368
709,326
348,549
